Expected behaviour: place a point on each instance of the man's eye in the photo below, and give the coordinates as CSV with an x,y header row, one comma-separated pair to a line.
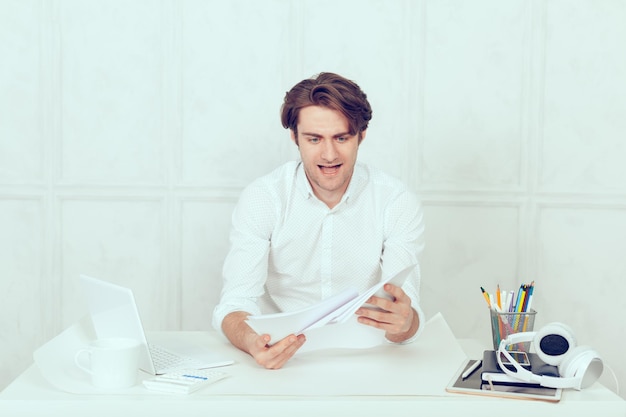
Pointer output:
x,y
314,140
342,139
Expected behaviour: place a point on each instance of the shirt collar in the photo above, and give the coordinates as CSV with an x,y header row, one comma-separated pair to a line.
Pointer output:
x,y
358,182
302,183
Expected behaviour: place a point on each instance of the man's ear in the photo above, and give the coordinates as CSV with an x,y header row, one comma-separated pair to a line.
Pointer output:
x,y
362,135
294,136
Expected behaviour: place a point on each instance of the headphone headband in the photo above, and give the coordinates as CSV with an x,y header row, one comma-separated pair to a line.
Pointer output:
x,y
521,337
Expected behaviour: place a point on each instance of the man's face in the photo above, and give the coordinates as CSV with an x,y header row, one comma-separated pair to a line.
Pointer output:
x,y
328,151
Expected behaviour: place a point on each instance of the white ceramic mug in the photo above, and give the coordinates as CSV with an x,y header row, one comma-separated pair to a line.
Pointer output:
x,y
113,362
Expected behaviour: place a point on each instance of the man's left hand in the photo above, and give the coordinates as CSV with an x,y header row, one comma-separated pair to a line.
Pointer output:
x,y
396,317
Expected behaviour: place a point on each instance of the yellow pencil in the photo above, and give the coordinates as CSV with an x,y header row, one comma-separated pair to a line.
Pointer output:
x,y
499,297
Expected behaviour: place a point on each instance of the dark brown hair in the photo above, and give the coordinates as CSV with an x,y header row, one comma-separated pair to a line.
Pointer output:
x,y
327,90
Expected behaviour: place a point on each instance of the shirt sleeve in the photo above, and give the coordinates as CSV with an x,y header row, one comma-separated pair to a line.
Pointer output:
x,y
404,243
245,267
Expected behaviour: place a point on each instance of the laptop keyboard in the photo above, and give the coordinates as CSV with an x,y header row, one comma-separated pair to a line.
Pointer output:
x,y
163,359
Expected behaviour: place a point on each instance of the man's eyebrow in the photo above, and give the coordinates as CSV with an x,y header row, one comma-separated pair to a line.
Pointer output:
x,y
317,135
311,134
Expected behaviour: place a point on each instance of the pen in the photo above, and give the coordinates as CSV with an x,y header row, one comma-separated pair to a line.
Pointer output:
x,y
471,369
486,296
531,290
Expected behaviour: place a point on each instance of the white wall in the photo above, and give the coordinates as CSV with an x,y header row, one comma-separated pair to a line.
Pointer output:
x,y
127,130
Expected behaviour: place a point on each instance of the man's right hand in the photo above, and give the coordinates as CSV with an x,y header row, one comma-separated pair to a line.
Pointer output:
x,y
276,355
243,337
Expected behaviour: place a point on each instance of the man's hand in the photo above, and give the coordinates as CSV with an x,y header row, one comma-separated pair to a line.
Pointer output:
x,y
397,318
275,356
246,339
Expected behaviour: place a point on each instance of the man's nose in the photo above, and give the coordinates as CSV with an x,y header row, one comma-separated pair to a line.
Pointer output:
x,y
329,151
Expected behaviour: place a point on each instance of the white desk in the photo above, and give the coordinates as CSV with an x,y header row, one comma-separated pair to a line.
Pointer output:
x,y
32,395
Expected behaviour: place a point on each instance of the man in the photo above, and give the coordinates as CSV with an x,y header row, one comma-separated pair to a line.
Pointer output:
x,y
315,227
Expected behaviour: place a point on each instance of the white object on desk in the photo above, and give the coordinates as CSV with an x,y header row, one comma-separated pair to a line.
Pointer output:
x,y
111,362
471,369
184,382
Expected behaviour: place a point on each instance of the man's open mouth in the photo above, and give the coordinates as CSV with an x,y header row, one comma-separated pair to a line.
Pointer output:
x,y
330,169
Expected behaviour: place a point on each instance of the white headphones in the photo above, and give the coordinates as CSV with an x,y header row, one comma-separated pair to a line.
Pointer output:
x,y
579,366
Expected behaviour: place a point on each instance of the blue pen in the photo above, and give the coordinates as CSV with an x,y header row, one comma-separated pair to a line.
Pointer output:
x,y
531,290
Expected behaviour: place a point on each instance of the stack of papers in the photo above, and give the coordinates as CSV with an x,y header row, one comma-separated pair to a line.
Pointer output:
x,y
336,309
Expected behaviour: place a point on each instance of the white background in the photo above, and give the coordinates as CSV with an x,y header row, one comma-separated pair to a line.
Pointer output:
x,y
128,129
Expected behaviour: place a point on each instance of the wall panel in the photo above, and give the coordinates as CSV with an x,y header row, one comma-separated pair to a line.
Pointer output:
x,y
474,95
232,90
111,75
21,149
583,146
22,282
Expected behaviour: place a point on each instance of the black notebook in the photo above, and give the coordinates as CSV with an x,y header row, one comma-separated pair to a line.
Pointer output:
x,y
492,371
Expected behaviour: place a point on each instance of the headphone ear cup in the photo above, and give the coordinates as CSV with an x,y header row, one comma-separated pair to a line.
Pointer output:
x,y
573,362
553,342
584,364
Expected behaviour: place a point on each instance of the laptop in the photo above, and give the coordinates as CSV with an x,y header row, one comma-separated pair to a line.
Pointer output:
x,y
114,313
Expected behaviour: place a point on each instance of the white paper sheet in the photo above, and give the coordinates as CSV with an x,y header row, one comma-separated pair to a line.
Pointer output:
x,y
281,325
347,335
338,309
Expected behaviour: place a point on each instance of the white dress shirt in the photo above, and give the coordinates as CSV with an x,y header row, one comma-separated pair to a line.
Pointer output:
x,y
288,250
